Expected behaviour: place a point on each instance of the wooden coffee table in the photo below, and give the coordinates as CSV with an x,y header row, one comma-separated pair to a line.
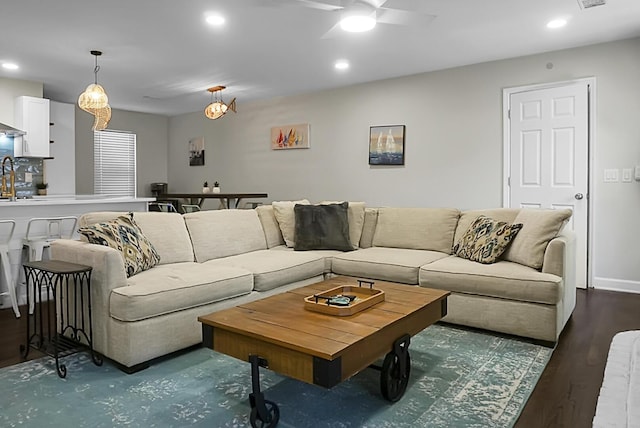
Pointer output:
x,y
280,334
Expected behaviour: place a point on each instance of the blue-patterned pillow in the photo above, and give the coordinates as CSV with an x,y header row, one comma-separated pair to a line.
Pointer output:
x,y
124,235
486,240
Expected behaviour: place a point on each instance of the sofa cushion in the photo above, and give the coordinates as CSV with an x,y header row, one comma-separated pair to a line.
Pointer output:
x,y
356,220
124,235
539,227
223,233
507,215
327,255
322,227
389,264
273,268
416,228
504,280
369,227
486,240
283,210
87,219
178,286
270,226
169,235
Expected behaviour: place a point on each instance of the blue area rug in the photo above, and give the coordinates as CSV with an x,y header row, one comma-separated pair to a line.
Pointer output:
x,y
459,378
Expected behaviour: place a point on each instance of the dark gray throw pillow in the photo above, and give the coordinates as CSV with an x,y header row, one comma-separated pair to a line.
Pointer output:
x,y
322,227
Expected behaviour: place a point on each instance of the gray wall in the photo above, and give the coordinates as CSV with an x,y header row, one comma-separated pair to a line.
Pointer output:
x,y
151,147
454,144
12,88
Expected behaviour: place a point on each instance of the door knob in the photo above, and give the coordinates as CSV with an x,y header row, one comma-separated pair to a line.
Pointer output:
x,y
579,196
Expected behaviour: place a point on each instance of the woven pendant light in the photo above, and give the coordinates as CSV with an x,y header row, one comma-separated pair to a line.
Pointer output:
x,y
94,100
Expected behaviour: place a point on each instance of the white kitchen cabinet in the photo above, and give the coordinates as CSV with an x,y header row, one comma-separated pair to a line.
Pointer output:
x,y
31,115
60,172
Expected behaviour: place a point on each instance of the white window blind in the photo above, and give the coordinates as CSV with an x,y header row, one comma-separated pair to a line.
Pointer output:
x,y
114,157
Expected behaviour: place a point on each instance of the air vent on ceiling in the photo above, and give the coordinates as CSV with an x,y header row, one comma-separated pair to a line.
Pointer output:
x,y
586,4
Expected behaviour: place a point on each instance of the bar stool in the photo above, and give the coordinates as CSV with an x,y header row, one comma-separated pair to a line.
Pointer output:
x,y
41,232
189,208
165,207
6,264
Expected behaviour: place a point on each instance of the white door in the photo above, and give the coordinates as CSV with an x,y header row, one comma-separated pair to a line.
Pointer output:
x,y
549,156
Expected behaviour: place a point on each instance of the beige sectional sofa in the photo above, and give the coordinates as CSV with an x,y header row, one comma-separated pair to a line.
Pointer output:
x,y
211,260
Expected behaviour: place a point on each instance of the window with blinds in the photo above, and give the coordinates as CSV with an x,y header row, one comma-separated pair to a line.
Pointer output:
x,y
114,157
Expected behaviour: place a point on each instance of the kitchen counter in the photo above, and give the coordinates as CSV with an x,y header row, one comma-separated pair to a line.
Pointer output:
x,y
22,210
72,200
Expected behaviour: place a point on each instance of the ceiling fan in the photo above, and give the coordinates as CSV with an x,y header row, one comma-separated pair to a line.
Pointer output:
x,y
363,15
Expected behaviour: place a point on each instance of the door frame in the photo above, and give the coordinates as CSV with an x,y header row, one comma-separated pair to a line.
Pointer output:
x,y
591,137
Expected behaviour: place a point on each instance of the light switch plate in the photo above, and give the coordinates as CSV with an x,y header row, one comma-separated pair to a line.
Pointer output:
x,y
627,173
611,176
28,177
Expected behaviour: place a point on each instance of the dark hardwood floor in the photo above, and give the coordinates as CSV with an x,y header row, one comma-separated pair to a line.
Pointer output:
x,y
567,392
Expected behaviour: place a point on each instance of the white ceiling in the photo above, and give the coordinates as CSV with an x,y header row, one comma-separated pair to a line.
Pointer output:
x,y
160,56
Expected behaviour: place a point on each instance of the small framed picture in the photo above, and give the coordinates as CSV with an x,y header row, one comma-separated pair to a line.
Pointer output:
x,y
290,137
386,145
196,151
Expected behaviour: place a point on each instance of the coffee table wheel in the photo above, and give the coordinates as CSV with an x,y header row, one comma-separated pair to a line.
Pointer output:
x,y
395,371
273,416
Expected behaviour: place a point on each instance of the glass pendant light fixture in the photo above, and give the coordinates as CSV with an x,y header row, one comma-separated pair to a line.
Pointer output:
x,y
217,108
94,100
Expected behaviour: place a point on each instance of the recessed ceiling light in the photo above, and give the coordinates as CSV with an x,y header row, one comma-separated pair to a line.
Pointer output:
x,y
215,20
10,66
557,23
357,23
341,64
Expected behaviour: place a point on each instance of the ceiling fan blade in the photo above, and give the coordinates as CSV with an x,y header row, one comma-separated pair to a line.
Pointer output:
x,y
401,17
376,3
334,32
329,5
323,5
419,6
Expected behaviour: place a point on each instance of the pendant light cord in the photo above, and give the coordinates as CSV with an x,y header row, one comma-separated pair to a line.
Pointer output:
x,y
95,71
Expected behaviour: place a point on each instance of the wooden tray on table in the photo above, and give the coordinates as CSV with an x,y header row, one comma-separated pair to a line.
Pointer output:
x,y
345,300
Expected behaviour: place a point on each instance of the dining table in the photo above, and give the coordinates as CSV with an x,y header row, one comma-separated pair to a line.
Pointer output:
x,y
227,200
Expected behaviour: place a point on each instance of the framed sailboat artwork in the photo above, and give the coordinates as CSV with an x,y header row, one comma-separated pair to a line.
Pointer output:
x,y
290,137
386,145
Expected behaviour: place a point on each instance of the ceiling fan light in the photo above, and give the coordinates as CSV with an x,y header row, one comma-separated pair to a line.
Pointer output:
x,y
358,23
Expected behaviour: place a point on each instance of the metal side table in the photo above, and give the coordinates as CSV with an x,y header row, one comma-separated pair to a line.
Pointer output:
x,y
69,286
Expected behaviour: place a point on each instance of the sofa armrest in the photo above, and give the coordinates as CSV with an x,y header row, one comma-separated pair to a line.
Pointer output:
x,y
560,260
108,273
560,255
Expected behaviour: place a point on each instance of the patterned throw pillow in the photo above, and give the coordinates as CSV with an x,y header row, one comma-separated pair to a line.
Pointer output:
x,y
485,240
124,235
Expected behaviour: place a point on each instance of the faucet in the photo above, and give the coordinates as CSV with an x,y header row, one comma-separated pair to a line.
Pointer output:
x,y
12,180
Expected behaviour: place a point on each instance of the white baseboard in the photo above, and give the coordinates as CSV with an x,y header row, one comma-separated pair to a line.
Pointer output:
x,y
616,285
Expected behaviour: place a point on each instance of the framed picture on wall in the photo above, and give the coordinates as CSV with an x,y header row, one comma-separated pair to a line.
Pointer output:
x,y
290,137
196,151
386,145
